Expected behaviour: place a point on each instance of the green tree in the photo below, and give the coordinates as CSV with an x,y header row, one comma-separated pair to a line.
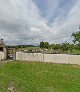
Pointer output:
x,y
65,46
46,45
52,46
76,36
41,44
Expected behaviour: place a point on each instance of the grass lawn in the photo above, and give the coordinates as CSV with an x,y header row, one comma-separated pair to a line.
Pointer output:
x,y
74,52
40,77
33,48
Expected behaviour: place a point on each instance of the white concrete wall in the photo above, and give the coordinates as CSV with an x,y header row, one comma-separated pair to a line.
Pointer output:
x,y
62,58
29,56
2,55
54,58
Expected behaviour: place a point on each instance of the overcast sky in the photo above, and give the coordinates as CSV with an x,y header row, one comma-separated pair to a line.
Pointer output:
x,y
32,21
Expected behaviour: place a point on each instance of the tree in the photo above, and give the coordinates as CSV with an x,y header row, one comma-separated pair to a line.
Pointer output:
x,y
65,46
42,44
57,47
76,36
46,45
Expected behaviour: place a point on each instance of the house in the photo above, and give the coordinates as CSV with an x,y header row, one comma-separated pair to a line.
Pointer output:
x,y
3,50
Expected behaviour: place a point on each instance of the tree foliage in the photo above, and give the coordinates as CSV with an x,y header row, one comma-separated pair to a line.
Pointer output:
x,y
44,45
76,36
67,46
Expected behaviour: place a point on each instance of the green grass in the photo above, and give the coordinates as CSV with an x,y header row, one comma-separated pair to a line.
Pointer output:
x,y
74,52
33,48
40,77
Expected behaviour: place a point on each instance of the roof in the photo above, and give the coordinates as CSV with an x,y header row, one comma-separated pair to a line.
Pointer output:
x,y
2,43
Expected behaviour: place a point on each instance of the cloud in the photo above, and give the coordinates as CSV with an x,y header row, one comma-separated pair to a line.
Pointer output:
x,y
70,23
31,21
17,18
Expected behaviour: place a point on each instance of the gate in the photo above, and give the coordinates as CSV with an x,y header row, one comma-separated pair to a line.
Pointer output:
x,y
11,54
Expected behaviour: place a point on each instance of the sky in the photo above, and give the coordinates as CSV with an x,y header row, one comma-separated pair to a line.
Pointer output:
x,y
33,21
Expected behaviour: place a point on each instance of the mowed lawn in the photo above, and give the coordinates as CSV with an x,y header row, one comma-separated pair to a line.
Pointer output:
x,y
40,77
